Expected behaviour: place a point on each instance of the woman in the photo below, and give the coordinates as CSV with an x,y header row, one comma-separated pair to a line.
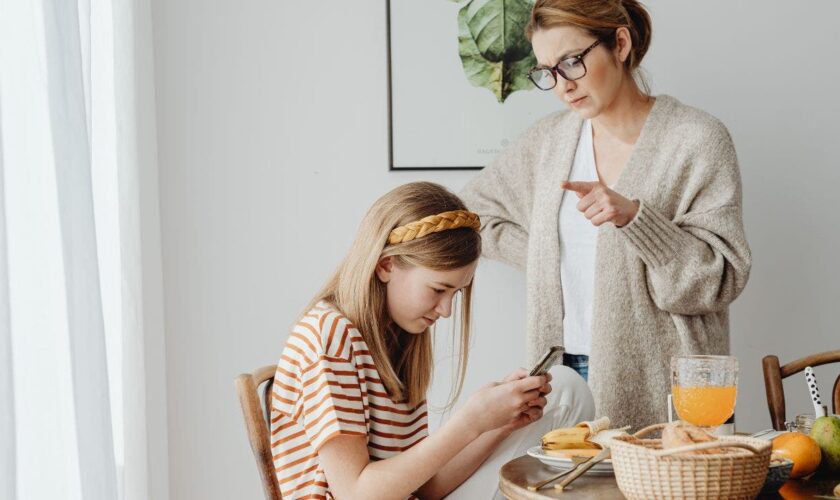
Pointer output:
x,y
625,211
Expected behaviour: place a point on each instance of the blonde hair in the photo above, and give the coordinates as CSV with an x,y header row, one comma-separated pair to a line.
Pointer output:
x,y
404,360
599,18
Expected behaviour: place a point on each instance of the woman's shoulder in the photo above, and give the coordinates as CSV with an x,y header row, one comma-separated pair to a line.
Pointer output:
x,y
552,123
690,124
541,134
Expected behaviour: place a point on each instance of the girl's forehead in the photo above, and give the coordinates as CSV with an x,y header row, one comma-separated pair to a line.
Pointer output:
x,y
456,278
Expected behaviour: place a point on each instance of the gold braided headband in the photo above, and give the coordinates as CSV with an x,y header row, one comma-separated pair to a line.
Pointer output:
x,y
434,224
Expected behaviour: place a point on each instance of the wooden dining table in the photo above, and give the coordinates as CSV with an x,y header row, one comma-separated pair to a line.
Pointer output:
x,y
516,475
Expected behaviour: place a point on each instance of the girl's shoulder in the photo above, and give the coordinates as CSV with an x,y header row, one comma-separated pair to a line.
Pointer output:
x,y
325,330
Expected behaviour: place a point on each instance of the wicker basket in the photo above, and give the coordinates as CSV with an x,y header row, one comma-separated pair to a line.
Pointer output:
x,y
644,471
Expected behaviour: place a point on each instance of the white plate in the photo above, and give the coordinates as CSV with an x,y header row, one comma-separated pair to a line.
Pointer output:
x,y
604,468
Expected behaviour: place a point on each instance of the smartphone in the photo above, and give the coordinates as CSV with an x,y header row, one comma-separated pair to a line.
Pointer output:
x,y
548,360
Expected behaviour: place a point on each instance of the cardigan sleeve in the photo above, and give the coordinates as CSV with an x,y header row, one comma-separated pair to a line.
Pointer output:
x,y
699,262
502,196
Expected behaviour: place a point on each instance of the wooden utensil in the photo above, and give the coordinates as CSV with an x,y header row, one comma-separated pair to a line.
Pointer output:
x,y
582,468
541,484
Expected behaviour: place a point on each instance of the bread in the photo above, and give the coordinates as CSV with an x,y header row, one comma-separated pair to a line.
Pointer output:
x,y
678,434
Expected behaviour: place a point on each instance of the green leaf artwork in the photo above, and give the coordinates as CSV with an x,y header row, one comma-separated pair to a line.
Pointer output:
x,y
494,51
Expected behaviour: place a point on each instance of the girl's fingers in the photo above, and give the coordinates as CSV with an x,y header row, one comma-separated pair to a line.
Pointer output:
x,y
520,373
530,383
534,414
540,402
533,395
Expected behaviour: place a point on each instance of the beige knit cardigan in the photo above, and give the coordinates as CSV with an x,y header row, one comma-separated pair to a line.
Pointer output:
x,y
663,282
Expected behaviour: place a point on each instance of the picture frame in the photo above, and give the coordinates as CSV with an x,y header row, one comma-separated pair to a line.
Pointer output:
x,y
439,118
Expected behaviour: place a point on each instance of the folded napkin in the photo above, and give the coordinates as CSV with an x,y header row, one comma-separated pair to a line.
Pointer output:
x,y
600,433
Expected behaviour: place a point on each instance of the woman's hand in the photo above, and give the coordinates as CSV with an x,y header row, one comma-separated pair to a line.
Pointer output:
x,y
601,204
513,403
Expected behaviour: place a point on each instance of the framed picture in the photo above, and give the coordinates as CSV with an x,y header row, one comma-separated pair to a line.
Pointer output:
x,y
458,90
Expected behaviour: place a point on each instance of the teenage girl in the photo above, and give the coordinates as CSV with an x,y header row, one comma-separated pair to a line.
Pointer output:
x,y
349,415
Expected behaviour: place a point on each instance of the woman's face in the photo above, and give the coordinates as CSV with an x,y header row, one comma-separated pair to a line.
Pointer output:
x,y
418,296
605,72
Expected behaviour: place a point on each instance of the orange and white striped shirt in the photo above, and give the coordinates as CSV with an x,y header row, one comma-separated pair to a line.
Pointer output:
x,y
326,385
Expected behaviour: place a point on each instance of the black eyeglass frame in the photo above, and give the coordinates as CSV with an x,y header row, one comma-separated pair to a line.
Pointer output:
x,y
555,70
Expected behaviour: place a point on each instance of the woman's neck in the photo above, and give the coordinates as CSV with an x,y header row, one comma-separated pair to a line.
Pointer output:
x,y
625,117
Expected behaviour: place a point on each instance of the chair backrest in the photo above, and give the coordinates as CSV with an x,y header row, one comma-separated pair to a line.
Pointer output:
x,y
258,424
774,373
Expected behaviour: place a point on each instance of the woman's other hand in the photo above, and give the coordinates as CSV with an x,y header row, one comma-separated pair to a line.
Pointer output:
x,y
600,204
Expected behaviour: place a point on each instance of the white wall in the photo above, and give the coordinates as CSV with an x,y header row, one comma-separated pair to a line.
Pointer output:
x,y
265,172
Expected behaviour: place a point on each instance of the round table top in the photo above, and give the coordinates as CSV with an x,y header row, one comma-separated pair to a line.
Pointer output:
x,y
516,475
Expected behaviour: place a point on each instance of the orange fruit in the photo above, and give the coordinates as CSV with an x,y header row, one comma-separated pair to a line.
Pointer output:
x,y
796,490
804,451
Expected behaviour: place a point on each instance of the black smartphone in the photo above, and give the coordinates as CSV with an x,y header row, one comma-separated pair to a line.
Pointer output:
x,y
548,360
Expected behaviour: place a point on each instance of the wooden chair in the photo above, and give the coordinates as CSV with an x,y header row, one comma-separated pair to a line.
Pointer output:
x,y
773,375
257,422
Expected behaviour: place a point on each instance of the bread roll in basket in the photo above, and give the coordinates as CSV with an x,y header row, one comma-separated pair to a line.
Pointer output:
x,y
735,469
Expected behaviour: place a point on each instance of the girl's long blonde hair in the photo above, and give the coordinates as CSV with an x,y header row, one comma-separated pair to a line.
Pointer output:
x,y
404,360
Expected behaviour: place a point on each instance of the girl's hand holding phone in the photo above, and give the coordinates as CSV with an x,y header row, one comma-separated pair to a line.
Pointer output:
x,y
535,411
510,404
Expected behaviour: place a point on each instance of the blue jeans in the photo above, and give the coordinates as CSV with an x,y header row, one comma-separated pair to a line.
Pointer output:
x,y
578,363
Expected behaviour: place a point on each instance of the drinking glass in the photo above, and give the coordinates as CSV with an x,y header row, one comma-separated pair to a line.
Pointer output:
x,y
704,388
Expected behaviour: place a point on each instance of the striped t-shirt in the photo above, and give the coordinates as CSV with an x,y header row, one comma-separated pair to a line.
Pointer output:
x,y
327,385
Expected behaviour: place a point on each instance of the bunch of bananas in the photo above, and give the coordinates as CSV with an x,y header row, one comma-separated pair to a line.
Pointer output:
x,y
568,438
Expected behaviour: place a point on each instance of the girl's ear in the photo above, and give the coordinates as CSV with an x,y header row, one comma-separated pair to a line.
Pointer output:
x,y
384,268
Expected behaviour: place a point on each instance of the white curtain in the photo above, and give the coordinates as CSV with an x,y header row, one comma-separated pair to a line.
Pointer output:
x,y
72,368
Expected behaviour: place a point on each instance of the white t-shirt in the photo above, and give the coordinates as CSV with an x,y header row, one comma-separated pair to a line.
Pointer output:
x,y
578,241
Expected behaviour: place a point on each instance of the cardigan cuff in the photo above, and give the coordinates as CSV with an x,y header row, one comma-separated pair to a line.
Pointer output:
x,y
653,236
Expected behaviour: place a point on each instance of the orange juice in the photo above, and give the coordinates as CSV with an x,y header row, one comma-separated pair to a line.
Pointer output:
x,y
704,405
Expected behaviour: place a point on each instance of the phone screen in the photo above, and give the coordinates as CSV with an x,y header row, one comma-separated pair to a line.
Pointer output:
x,y
548,360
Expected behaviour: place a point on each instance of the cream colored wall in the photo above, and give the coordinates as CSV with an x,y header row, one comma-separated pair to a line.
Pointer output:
x,y
265,173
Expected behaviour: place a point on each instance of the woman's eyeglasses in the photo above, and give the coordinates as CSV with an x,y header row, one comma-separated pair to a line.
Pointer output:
x,y
571,68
